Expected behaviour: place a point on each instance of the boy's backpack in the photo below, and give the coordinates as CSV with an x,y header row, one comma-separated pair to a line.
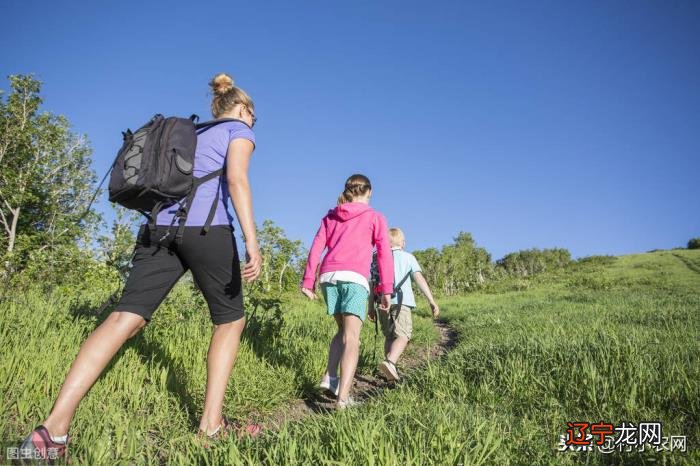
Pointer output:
x,y
153,169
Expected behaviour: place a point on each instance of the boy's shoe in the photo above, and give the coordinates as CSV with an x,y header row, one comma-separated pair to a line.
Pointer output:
x,y
330,386
389,370
346,403
39,445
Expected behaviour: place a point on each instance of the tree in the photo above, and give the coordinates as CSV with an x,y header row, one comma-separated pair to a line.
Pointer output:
x,y
282,259
431,266
45,180
116,250
458,267
694,243
529,262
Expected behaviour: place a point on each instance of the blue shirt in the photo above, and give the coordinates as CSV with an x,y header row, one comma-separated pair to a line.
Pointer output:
x,y
405,263
210,155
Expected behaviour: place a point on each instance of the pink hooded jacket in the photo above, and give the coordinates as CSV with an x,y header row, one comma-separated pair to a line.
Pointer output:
x,y
349,231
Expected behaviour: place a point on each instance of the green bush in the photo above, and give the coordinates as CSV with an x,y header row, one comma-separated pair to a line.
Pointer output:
x,y
459,267
533,261
694,243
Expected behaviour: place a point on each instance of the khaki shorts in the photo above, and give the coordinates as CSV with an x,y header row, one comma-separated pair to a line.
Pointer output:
x,y
403,325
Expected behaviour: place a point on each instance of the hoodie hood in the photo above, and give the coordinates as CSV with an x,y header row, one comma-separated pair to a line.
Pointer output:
x,y
349,210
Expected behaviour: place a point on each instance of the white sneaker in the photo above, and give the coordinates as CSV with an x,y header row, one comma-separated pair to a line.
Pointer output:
x,y
347,403
330,385
388,368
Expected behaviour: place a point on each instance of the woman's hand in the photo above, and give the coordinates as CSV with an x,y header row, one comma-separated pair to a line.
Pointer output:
x,y
308,293
253,261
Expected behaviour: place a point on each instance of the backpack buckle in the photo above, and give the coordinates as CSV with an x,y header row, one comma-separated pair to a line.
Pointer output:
x,y
167,233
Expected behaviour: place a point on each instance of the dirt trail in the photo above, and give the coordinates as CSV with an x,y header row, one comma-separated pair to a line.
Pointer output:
x,y
364,386
687,263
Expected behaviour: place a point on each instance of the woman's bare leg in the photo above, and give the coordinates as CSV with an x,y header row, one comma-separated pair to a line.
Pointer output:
x,y
223,350
94,355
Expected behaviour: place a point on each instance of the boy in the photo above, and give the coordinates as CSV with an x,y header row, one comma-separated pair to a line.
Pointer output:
x,y
396,324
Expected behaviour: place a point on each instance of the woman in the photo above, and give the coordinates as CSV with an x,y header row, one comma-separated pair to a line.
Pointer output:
x,y
158,264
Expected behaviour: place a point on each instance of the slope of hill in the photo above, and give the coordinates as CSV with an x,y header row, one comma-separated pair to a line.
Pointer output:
x,y
614,340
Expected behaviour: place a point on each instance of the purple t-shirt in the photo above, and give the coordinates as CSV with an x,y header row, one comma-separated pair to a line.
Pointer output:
x,y
210,156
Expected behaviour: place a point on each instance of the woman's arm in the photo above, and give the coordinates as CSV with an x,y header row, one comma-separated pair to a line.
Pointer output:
x,y
237,162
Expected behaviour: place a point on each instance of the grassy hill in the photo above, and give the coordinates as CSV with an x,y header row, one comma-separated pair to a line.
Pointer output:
x,y
612,339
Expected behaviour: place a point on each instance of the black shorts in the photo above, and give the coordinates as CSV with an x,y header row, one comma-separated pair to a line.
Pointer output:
x,y
158,265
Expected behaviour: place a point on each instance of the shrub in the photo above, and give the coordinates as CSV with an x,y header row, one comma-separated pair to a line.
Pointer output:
x,y
530,262
694,243
597,260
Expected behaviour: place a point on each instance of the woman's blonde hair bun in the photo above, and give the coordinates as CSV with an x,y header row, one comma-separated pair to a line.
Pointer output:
x,y
227,95
221,84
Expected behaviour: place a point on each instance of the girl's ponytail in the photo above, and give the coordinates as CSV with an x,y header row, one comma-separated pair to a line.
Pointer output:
x,y
355,186
343,198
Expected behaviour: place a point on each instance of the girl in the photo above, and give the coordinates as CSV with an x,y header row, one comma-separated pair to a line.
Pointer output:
x,y
157,266
349,233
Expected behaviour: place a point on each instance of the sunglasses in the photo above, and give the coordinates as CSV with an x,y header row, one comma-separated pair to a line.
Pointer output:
x,y
252,116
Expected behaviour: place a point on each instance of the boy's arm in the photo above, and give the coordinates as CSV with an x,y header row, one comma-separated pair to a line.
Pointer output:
x,y
425,289
317,247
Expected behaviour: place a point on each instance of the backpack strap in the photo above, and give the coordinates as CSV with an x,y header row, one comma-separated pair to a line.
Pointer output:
x,y
202,127
397,288
185,207
153,215
212,210
403,280
399,292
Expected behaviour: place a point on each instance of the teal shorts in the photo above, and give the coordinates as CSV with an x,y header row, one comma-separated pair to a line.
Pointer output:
x,y
345,298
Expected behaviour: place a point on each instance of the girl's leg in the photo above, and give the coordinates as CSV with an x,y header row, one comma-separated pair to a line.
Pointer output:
x,y
94,355
351,353
336,348
223,350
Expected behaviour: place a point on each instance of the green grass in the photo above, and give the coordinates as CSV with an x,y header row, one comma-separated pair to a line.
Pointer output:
x,y
150,398
613,340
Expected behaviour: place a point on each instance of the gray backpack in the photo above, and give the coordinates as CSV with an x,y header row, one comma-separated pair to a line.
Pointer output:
x,y
153,169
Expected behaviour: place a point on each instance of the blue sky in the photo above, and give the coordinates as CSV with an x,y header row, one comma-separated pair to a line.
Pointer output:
x,y
528,124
